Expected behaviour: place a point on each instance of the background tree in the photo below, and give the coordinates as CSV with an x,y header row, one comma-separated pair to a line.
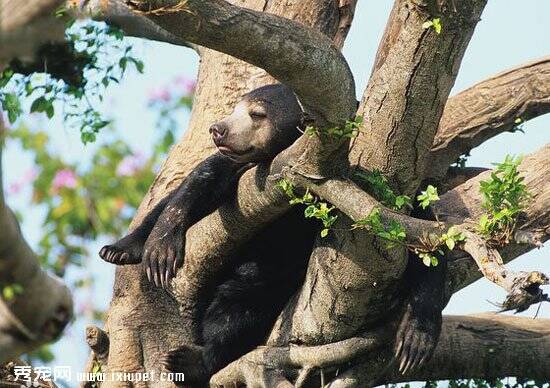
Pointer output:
x,y
407,110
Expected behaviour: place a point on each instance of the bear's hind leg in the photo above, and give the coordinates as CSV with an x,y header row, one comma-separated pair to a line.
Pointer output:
x,y
187,359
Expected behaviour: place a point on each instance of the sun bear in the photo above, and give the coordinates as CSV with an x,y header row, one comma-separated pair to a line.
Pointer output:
x,y
270,268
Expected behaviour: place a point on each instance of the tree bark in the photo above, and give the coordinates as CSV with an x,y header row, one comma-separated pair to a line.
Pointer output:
x,y
498,104
485,346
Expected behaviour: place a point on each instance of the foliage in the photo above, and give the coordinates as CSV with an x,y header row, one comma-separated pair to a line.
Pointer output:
x,y
73,75
314,207
378,186
504,198
349,130
430,250
394,233
435,23
428,196
10,291
452,237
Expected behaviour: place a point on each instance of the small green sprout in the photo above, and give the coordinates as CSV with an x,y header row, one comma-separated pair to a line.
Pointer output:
x,y
435,23
314,207
452,237
428,196
428,258
394,234
349,130
378,186
505,196
9,292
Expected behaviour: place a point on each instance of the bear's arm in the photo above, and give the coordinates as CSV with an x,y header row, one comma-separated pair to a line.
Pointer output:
x,y
200,193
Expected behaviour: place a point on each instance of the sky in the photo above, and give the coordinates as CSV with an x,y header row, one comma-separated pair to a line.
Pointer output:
x,y
509,33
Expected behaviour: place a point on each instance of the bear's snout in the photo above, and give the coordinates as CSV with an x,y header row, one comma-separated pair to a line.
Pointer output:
x,y
219,132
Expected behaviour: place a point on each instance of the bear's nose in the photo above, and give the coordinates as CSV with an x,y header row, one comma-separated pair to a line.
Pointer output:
x,y
218,132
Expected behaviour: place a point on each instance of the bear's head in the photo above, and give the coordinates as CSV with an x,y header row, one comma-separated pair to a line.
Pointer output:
x,y
266,121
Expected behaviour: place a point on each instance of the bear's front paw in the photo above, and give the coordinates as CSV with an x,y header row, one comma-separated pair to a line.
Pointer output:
x,y
163,255
416,337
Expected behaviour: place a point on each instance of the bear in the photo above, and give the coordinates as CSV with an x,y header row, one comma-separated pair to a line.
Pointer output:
x,y
269,269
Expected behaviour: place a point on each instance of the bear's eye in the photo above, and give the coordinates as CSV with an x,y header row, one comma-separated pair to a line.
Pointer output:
x,y
257,114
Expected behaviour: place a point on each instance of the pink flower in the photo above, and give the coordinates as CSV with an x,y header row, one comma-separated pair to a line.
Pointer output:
x,y
64,178
28,177
130,164
159,95
187,84
14,188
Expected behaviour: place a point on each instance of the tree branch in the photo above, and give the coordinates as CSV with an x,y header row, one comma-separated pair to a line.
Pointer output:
x,y
503,346
119,14
487,109
302,57
414,72
523,288
486,346
43,307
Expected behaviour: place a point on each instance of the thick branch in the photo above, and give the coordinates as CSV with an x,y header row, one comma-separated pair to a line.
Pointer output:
x,y
357,204
415,70
301,57
523,288
37,314
487,346
477,346
483,346
493,106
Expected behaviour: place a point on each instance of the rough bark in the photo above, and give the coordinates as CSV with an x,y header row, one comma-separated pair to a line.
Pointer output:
x,y
41,311
352,280
498,104
477,346
484,346
304,59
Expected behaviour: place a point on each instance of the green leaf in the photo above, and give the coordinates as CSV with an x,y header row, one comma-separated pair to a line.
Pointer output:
x,y
11,104
437,25
426,259
450,243
324,232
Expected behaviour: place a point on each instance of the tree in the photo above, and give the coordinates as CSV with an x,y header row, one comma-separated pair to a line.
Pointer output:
x,y
352,276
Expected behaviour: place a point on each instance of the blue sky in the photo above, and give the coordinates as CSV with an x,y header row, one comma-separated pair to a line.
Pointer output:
x,y
510,33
